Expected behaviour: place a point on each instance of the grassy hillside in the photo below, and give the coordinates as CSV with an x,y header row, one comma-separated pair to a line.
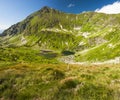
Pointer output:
x,y
22,54
108,50
59,82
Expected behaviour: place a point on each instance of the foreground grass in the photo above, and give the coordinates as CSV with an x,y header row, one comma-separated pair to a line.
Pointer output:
x,y
59,82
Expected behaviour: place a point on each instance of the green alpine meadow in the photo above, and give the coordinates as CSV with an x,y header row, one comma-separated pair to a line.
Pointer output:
x,y
53,55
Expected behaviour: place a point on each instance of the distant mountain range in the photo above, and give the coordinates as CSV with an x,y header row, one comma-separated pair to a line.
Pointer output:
x,y
91,36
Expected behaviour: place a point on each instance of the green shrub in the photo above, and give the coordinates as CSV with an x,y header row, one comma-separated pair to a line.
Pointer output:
x,y
53,74
68,83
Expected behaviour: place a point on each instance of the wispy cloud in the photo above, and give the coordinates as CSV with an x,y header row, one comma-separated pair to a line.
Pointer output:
x,y
71,5
110,8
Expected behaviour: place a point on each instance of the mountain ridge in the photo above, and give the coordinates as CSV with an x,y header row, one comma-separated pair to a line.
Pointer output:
x,y
83,33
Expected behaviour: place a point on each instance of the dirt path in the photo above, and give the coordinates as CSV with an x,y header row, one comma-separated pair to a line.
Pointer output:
x,y
70,60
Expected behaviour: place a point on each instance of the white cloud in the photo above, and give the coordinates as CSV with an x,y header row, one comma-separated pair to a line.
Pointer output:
x,y
110,8
3,27
71,5
84,11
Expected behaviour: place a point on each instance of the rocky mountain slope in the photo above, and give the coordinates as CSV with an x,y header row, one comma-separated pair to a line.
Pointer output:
x,y
91,36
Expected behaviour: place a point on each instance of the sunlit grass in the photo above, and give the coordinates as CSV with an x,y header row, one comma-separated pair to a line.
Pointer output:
x,y
59,82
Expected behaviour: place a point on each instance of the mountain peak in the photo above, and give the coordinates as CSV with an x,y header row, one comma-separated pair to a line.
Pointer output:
x,y
46,9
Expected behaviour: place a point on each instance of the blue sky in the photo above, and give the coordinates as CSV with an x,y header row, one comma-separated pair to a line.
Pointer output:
x,y
13,11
